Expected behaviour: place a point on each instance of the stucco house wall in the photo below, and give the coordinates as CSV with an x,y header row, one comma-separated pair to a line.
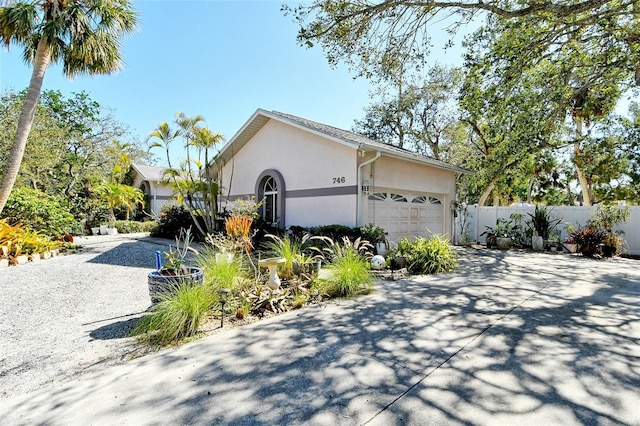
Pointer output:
x,y
315,174
149,180
326,175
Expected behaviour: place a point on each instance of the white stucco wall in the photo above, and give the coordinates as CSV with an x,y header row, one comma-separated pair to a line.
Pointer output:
x,y
159,194
317,211
306,162
390,172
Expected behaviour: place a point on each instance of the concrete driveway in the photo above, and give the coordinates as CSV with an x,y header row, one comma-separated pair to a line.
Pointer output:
x,y
511,338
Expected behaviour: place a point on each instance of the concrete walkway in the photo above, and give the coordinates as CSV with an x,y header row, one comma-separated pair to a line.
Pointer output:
x,y
511,338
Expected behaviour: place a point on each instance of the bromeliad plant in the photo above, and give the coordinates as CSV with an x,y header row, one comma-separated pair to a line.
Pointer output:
x,y
176,258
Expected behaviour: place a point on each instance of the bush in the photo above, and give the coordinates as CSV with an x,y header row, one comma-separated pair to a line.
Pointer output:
x,y
335,232
589,240
427,256
432,256
177,316
130,226
172,220
348,268
40,212
20,240
219,272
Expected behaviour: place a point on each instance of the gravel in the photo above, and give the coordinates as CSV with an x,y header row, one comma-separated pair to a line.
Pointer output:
x,y
71,314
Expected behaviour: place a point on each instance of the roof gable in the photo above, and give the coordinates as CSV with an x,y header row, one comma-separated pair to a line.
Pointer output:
x,y
149,173
259,118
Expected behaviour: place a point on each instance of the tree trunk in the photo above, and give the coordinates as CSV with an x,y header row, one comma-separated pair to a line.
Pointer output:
x,y
485,194
582,178
40,64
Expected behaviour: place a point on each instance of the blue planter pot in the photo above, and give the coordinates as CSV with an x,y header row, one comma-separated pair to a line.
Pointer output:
x,y
160,283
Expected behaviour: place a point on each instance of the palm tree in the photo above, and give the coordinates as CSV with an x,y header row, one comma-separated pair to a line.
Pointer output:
x,y
83,35
117,196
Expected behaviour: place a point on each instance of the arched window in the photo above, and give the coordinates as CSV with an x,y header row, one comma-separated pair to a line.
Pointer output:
x,y
270,189
270,206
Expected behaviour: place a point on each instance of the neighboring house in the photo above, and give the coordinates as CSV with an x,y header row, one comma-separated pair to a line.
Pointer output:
x,y
150,180
311,174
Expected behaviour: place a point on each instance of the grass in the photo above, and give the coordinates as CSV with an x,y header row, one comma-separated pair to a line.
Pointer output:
x,y
349,274
177,316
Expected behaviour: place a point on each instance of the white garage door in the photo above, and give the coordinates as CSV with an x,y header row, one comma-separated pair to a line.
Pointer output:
x,y
408,215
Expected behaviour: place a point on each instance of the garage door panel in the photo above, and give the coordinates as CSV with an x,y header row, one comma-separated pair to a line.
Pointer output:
x,y
413,215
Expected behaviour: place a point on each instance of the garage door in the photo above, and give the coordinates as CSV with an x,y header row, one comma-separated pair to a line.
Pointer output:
x,y
407,214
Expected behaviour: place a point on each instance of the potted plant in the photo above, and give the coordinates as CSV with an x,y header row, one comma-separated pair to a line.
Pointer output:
x,y
606,217
569,244
499,236
541,223
174,271
376,236
589,240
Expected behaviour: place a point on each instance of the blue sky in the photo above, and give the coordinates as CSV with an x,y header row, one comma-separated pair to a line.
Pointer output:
x,y
219,59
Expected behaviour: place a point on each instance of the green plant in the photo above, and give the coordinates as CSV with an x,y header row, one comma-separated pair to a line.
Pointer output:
x,y
40,212
289,249
462,212
116,195
502,229
542,222
178,315
373,233
432,256
222,270
348,269
130,226
335,232
607,217
176,257
172,220
589,240
519,235
197,188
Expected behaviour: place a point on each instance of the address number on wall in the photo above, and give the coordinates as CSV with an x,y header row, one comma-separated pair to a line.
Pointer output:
x,y
340,179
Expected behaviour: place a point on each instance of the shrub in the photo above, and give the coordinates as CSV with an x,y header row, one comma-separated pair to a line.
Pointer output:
x,y
20,240
130,226
588,240
177,316
373,233
335,232
219,272
432,256
40,212
348,268
289,249
172,220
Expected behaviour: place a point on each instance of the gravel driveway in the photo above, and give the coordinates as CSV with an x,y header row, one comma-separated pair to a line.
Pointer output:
x,y
67,315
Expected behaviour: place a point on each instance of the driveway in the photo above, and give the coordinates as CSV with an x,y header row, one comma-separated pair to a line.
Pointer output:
x,y
511,338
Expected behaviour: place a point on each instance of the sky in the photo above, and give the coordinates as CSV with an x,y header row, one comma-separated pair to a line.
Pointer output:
x,y
219,59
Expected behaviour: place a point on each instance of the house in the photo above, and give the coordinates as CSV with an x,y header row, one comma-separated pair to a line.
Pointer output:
x,y
150,180
312,174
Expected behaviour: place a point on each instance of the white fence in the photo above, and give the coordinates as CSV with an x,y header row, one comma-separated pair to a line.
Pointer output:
x,y
478,218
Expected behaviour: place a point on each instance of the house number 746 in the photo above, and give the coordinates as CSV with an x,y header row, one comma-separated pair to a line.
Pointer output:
x,y
341,179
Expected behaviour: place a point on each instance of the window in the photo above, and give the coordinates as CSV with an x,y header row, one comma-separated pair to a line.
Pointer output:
x,y
398,198
270,206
